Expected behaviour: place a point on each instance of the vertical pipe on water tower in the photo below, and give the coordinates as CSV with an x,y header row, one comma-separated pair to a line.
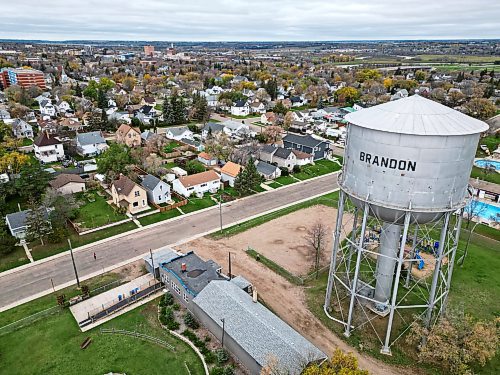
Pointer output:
x,y
389,243
451,262
347,332
412,256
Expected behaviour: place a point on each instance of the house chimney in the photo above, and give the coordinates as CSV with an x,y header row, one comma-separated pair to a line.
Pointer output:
x,y
183,267
254,295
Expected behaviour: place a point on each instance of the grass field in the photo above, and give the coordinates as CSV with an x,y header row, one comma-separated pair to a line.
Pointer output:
x,y
489,176
97,213
171,146
320,167
52,346
286,180
150,219
196,204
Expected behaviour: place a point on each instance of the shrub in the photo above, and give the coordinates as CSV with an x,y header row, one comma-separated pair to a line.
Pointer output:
x,y
284,171
217,371
163,320
209,357
173,325
190,321
169,299
228,370
296,169
222,356
176,307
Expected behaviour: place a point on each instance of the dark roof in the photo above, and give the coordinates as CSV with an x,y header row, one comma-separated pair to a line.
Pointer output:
x,y
46,140
305,140
240,103
295,99
90,138
282,153
124,185
265,168
150,182
268,149
198,271
18,219
65,178
214,126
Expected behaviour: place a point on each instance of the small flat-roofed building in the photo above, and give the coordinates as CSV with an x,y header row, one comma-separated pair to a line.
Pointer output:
x,y
160,256
186,276
252,333
66,183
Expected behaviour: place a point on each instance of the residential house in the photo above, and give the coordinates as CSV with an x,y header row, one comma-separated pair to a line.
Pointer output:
x,y
47,109
298,101
158,191
4,114
258,108
303,158
252,333
122,117
18,222
282,157
199,184
400,94
66,183
211,128
179,132
149,101
268,118
195,145
240,108
308,144
90,144
266,170
64,107
21,129
128,135
48,149
126,193
207,159
236,129
187,275
229,172
72,124
212,100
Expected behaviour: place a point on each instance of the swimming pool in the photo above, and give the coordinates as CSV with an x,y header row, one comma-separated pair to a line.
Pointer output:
x,y
484,211
483,163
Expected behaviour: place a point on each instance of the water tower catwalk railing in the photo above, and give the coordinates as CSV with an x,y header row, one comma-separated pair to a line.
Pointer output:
x,y
375,280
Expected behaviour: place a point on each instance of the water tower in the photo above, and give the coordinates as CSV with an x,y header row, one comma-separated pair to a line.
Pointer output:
x,y
403,187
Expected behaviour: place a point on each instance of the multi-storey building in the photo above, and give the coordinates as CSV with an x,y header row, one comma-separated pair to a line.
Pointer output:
x,y
22,77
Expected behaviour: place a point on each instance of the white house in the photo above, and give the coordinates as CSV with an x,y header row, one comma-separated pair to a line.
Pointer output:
x,y
235,128
18,222
177,133
21,129
266,170
229,172
199,184
207,159
258,107
48,149
63,107
47,108
240,108
158,191
68,183
90,144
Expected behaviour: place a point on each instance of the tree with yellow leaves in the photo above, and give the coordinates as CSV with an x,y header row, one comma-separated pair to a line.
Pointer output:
x,y
13,161
340,364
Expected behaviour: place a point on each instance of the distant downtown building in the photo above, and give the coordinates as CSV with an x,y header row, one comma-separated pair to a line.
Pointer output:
x,y
22,77
149,50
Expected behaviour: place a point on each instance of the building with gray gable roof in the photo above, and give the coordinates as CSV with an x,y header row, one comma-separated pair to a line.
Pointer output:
x,y
158,191
252,333
90,144
17,222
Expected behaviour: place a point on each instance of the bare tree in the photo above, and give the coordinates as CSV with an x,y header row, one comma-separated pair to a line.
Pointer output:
x,y
472,212
316,239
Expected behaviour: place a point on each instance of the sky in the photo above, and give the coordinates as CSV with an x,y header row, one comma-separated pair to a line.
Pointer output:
x,y
249,20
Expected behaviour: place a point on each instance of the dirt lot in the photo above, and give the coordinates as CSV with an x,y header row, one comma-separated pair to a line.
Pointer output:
x,y
288,246
285,299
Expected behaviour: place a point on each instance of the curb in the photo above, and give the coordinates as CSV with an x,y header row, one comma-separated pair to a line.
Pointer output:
x,y
133,231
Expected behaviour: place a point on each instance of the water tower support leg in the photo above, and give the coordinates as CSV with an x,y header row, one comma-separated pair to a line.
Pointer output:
x,y
412,256
335,249
351,247
437,270
347,331
451,262
386,349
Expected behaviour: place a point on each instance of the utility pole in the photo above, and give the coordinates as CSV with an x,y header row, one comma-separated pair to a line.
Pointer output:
x,y
230,276
220,211
152,263
74,265
223,331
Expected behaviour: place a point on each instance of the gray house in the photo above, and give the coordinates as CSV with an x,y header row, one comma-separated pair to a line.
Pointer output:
x,y
158,191
17,222
211,128
307,144
186,276
252,333
266,170
21,129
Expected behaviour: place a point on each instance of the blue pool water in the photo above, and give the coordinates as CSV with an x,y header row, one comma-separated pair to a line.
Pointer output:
x,y
485,211
485,162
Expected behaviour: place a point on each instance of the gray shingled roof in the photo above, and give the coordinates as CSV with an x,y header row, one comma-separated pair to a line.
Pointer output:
x,y
265,168
18,219
90,138
150,182
215,126
305,140
282,153
177,130
256,329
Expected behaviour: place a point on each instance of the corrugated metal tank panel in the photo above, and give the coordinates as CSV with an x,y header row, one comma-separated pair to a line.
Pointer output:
x,y
391,170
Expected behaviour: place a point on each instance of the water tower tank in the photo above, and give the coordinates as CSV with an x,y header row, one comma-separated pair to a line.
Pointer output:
x,y
411,153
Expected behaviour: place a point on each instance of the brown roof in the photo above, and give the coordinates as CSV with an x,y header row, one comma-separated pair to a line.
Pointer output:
x,y
199,178
125,185
69,122
124,129
231,169
45,139
65,178
205,156
301,155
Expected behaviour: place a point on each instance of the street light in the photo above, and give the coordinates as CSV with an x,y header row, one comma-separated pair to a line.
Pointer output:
x,y
223,331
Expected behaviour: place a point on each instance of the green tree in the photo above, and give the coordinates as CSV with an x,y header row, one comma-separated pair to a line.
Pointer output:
x,y
199,109
7,241
37,222
194,166
347,95
480,108
102,101
32,181
5,131
368,74
248,179
114,161
280,109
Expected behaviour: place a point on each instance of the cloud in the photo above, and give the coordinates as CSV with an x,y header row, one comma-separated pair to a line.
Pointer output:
x,y
238,20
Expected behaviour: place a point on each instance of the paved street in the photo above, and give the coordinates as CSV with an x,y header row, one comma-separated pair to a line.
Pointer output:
x,y
36,279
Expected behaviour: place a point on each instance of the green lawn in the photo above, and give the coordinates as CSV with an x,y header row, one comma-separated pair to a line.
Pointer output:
x,y
196,204
15,259
320,167
490,176
97,213
286,180
52,346
171,146
274,185
160,216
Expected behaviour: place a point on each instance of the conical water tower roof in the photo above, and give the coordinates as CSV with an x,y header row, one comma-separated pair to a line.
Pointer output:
x,y
416,115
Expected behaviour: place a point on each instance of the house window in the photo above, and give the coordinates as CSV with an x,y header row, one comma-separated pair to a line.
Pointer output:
x,y
203,185
135,204
159,197
191,188
143,203
137,193
175,287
